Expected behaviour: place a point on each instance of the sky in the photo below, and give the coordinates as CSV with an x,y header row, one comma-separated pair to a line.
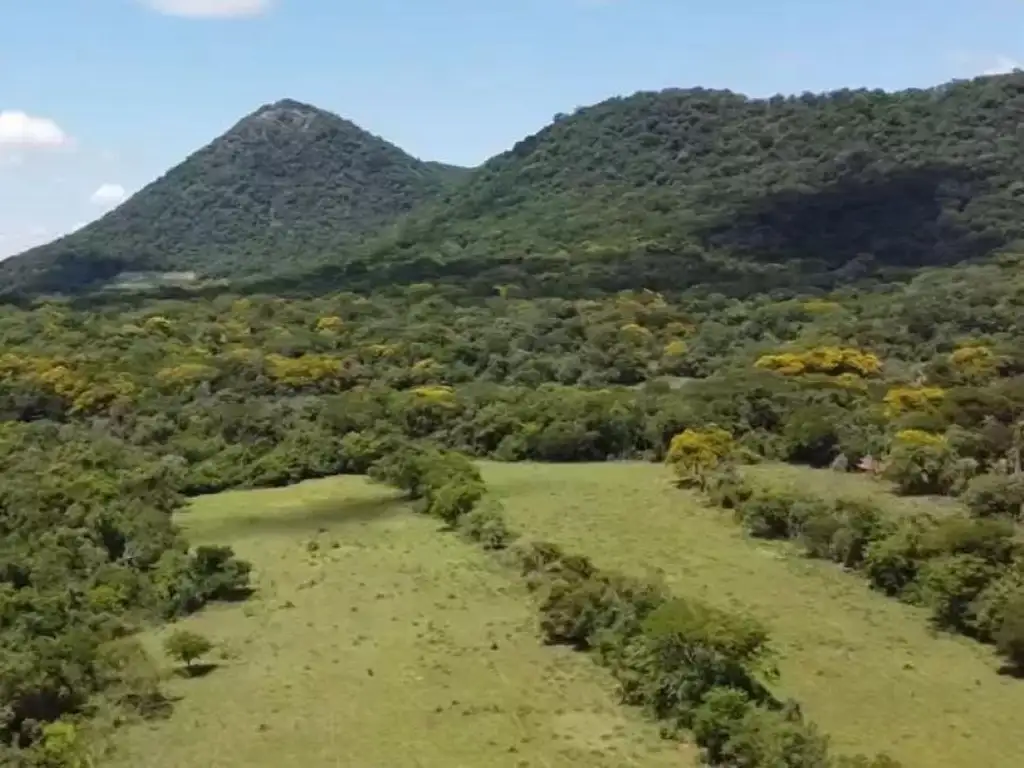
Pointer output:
x,y
100,97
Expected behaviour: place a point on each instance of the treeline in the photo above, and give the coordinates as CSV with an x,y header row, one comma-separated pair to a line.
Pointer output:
x,y
88,554
698,670
967,569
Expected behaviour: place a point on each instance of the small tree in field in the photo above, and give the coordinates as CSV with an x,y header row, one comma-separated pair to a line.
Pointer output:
x,y
187,647
694,453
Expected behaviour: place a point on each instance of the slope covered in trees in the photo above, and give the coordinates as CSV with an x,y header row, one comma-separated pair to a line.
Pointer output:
x,y
664,190
675,188
286,182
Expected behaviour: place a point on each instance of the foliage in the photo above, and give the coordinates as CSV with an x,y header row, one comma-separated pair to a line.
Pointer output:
x,y
694,453
920,463
186,646
966,570
287,182
995,495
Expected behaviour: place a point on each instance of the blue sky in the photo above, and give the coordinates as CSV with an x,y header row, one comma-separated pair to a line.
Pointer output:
x,y
99,97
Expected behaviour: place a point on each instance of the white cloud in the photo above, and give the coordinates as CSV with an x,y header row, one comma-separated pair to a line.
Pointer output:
x,y
1001,65
972,64
108,194
23,130
210,9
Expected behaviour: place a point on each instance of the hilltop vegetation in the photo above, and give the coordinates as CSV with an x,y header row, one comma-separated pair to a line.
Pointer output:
x,y
288,182
679,189
670,190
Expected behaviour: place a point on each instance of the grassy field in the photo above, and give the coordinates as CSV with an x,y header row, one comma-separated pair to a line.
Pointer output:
x,y
828,484
866,667
377,642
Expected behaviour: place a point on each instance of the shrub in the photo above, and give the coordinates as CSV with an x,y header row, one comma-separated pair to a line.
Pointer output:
x,y
949,586
996,495
686,649
771,737
726,488
843,532
1009,637
694,453
812,434
920,463
774,514
892,562
186,646
486,525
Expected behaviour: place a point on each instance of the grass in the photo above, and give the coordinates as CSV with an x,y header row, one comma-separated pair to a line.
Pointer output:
x,y
828,484
866,668
376,641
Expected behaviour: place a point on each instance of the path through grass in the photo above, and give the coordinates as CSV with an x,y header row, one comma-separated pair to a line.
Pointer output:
x,y
866,667
376,641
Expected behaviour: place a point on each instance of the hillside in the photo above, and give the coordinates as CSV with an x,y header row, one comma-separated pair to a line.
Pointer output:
x,y
670,189
285,182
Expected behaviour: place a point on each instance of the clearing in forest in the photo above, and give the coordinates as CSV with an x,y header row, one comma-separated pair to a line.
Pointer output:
x,y
865,667
827,484
377,641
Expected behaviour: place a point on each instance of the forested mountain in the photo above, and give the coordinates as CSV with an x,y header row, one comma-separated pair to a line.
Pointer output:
x,y
680,187
286,182
664,190
484,316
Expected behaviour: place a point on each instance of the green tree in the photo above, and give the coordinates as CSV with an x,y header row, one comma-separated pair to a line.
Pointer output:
x,y
186,646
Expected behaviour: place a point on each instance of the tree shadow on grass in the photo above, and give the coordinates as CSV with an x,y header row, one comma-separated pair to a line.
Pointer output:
x,y
1008,669
309,517
195,671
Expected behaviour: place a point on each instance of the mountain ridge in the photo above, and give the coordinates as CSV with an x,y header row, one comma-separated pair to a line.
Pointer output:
x,y
660,189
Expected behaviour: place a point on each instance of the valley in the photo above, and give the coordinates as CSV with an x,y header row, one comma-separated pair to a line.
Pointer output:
x,y
687,430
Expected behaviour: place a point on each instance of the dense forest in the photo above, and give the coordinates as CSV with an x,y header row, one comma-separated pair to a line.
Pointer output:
x,y
605,290
665,191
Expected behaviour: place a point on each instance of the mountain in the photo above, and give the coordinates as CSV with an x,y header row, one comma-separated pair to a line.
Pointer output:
x,y
287,181
672,189
666,190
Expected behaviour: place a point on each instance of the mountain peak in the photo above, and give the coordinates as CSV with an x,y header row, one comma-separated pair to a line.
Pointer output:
x,y
287,182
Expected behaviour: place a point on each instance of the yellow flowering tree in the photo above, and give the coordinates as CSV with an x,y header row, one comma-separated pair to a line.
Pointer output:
x,y
694,453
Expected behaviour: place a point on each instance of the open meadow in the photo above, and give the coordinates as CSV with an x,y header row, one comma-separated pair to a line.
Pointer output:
x,y
865,667
375,641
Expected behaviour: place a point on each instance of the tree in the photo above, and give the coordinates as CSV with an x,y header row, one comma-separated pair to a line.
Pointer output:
x,y
694,453
186,646
1010,635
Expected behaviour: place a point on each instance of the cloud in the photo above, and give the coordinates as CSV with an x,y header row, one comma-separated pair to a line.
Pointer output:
x,y
1001,65
108,194
210,9
972,64
19,129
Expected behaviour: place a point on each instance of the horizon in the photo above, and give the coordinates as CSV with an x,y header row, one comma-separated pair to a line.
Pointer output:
x,y
456,83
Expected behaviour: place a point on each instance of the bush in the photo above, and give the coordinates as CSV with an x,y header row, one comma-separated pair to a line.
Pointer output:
x,y
685,650
486,525
1009,637
920,463
892,562
812,435
773,514
949,586
186,646
996,495
843,532
726,488
694,453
